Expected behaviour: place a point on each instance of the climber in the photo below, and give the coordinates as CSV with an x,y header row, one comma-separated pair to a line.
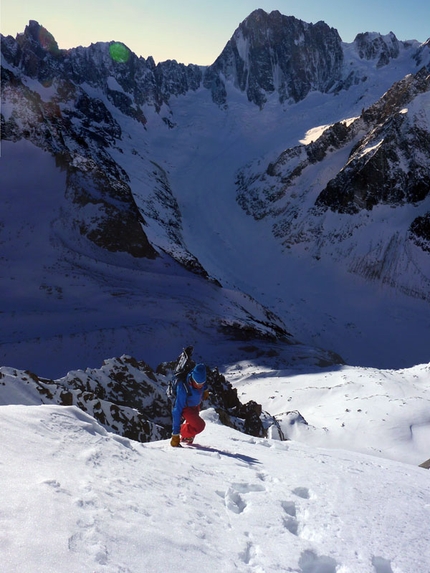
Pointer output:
x,y
186,407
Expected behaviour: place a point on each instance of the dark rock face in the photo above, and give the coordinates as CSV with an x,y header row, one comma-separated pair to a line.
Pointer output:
x,y
377,47
123,396
268,53
272,52
37,54
390,164
79,130
420,54
104,209
420,232
381,159
258,193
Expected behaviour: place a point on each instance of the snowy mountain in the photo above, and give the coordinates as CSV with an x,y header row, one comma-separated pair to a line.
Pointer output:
x,y
383,157
376,412
272,210
140,167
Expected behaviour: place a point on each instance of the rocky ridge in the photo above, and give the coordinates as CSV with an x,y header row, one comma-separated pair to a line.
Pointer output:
x,y
272,52
267,53
128,397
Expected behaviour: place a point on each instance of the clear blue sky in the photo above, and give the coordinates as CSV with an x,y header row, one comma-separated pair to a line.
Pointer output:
x,y
196,31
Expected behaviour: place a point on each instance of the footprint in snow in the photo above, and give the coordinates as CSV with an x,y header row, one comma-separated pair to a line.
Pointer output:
x,y
233,498
290,521
302,492
56,486
381,565
233,501
310,562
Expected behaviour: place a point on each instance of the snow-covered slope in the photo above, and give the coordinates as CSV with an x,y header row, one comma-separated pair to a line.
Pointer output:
x,y
67,304
384,413
379,412
76,498
311,274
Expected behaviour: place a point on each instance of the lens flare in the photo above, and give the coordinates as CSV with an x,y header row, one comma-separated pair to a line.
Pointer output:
x,y
119,53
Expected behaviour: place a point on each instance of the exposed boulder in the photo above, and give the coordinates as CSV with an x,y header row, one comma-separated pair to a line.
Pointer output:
x,y
420,232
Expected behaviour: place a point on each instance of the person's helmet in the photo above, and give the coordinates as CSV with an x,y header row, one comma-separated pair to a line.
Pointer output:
x,y
198,374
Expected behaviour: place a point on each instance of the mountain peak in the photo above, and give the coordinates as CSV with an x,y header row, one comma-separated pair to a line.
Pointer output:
x,y
260,16
39,36
375,46
263,25
274,53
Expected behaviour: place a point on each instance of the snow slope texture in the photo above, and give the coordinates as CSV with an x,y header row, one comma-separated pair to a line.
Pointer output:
x,y
76,498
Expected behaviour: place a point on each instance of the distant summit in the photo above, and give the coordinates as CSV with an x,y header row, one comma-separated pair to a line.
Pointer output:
x,y
272,52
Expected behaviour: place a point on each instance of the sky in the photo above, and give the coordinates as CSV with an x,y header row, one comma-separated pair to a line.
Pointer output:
x,y
196,31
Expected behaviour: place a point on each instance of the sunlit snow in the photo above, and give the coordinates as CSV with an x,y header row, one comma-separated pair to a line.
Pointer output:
x,y
86,500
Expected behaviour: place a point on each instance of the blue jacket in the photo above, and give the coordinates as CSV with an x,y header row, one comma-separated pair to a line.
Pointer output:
x,y
183,400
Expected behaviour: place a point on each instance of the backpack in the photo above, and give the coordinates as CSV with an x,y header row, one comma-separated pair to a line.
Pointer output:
x,y
184,366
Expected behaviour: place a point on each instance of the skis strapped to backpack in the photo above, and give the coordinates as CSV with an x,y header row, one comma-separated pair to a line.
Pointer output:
x,y
182,369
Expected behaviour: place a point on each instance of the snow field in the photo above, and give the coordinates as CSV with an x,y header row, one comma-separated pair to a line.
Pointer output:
x,y
87,500
379,412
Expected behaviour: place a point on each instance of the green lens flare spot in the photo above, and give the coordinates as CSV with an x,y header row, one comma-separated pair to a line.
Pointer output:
x,y
119,53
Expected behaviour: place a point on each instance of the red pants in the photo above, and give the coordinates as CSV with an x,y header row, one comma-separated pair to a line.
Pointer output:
x,y
193,423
